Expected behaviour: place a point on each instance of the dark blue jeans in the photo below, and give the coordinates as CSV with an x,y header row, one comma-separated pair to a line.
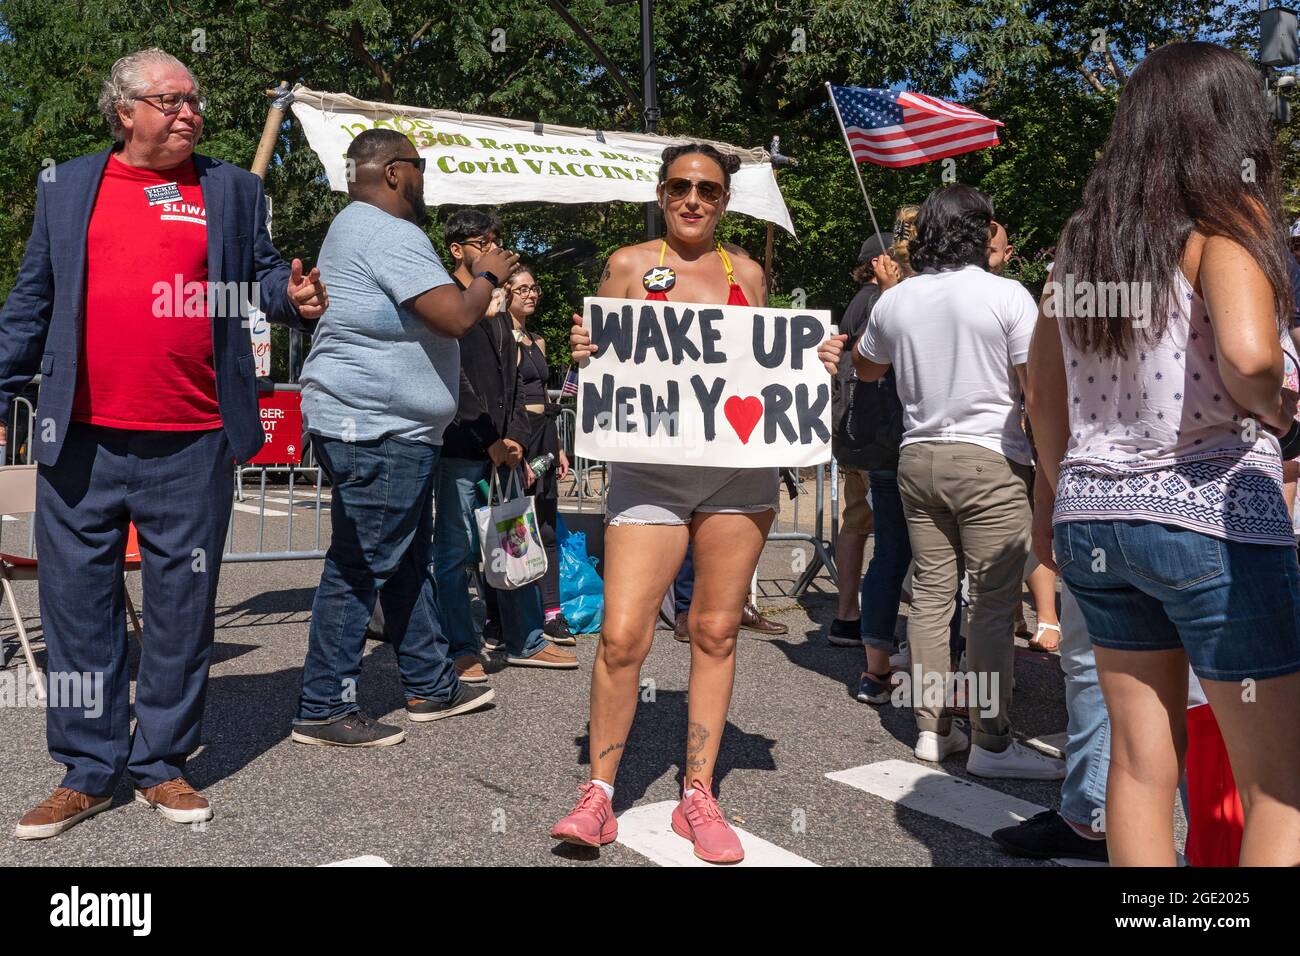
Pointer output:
x,y
456,547
382,549
684,583
176,487
882,584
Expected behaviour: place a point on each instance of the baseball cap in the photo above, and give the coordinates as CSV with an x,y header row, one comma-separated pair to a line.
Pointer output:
x,y
872,248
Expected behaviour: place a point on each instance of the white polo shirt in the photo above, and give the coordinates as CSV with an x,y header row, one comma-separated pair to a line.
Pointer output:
x,y
953,338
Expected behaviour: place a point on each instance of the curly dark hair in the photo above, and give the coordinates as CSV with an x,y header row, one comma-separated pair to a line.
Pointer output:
x,y
952,229
729,162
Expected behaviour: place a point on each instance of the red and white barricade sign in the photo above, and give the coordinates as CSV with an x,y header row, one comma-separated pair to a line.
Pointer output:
x,y
281,414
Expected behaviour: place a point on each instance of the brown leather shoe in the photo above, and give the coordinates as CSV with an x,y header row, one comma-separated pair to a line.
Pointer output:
x,y
61,810
176,800
548,656
752,620
681,631
469,668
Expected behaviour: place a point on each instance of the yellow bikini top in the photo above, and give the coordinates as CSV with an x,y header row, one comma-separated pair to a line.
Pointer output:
x,y
722,254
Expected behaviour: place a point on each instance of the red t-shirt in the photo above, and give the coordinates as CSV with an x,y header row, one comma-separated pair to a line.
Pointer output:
x,y
146,355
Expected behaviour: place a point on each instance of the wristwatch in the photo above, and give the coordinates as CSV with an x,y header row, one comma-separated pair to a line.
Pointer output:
x,y
490,276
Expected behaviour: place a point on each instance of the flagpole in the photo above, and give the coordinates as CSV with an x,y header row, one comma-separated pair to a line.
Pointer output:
x,y
854,160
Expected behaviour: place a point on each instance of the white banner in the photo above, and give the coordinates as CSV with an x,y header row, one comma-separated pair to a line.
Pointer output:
x,y
483,160
678,383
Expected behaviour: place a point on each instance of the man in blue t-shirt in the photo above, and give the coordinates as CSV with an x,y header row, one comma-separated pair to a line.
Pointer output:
x,y
379,387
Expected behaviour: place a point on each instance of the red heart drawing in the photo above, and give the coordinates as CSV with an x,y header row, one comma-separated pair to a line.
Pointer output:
x,y
743,413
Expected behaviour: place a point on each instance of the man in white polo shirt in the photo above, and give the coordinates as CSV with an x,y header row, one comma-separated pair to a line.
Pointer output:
x,y
958,339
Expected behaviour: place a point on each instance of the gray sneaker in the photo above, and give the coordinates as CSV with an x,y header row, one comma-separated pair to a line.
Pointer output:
x,y
466,698
350,730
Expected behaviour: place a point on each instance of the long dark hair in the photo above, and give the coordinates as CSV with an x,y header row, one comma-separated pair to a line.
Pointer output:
x,y
1191,147
952,229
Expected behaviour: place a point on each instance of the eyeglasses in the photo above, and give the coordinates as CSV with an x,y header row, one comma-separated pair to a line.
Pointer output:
x,y
169,104
416,161
708,191
479,244
527,290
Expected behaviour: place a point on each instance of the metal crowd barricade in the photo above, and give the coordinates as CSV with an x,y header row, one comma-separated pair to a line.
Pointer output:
x,y
788,525
584,469
314,496
21,427
588,487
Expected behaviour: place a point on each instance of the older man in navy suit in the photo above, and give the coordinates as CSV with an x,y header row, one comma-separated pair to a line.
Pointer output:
x,y
132,303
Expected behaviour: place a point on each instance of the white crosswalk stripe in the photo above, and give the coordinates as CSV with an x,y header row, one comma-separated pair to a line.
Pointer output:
x,y
931,791
254,509
647,830
361,861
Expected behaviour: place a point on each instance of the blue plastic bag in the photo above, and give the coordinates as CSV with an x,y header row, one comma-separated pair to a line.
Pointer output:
x,y
582,592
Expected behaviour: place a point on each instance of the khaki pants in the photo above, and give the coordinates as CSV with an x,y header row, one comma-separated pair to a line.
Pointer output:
x,y
967,508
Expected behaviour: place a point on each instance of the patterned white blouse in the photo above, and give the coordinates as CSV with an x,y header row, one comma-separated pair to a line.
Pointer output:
x,y
1157,437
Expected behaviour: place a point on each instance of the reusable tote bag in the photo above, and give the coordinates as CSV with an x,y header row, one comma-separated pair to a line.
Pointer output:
x,y
509,539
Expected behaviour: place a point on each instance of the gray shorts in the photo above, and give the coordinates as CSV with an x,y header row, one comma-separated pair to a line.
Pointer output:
x,y
671,494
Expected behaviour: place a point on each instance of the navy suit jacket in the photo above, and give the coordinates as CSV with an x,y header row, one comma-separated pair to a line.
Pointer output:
x,y
43,319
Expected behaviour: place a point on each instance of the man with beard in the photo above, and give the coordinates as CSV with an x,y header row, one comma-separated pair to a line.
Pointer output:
x,y
379,387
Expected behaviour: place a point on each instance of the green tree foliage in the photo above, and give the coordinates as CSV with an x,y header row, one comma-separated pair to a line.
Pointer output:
x,y
737,70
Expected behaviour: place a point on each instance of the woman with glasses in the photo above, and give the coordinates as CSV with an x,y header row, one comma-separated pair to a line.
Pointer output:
x,y
652,511
523,294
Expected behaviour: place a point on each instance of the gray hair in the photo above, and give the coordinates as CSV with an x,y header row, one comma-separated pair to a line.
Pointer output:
x,y
126,80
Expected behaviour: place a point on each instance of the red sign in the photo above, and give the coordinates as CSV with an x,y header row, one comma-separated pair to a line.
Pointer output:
x,y
281,414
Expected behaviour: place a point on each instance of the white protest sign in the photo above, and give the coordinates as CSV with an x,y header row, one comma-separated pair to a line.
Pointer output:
x,y
260,330
484,159
680,383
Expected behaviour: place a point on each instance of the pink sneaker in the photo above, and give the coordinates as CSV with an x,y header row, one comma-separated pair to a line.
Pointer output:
x,y
592,822
698,819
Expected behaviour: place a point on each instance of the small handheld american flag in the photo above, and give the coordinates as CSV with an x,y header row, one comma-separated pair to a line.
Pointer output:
x,y
898,129
570,386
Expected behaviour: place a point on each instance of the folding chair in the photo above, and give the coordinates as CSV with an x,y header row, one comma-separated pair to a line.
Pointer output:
x,y
18,497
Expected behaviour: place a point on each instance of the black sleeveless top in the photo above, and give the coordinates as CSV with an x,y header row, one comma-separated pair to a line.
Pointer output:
x,y
533,372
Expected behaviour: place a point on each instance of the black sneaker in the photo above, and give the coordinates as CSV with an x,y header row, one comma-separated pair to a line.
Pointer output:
x,y
467,697
874,688
1047,836
350,730
492,642
557,631
845,633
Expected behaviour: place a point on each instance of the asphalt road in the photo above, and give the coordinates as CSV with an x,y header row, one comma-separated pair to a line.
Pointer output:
x,y
484,788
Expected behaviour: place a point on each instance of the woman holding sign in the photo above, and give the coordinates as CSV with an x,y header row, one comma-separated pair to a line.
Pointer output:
x,y
654,510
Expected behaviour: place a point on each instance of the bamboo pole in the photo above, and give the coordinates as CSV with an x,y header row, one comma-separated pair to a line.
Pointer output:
x,y
281,98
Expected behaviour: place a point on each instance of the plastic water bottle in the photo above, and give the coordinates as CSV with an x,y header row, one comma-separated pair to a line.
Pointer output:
x,y
542,464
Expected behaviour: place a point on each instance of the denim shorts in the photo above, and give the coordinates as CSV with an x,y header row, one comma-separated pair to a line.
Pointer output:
x,y
671,494
1145,586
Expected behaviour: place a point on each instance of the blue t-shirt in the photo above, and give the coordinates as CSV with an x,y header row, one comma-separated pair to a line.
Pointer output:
x,y
375,368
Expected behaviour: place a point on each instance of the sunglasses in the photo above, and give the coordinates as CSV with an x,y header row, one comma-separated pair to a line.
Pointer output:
x,y
169,104
416,161
708,191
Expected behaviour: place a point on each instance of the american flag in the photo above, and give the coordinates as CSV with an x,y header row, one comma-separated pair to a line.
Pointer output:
x,y
903,129
570,386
